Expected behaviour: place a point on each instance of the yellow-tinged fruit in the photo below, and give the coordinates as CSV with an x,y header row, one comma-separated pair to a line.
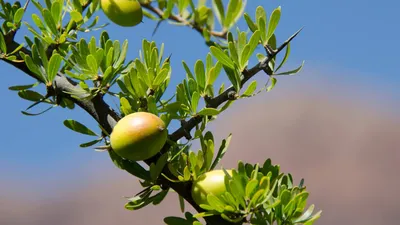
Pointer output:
x,y
211,182
126,13
138,136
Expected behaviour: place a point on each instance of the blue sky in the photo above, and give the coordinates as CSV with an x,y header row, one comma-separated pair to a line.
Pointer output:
x,y
347,43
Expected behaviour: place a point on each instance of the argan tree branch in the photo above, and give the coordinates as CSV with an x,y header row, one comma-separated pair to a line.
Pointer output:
x,y
96,107
225,96
107,118
179,19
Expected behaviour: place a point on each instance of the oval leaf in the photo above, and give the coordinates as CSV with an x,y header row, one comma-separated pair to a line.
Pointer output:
x,y
208,112
53,66
78,127
222,57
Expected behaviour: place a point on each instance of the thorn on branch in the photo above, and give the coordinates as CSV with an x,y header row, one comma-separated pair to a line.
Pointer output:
x,y
272,53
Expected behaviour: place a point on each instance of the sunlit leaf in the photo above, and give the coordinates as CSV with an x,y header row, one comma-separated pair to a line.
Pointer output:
x,y
250,89
222,57
292,72
273,22
208,112
53,66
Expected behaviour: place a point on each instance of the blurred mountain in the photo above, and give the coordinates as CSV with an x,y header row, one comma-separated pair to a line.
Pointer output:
x,y
347,151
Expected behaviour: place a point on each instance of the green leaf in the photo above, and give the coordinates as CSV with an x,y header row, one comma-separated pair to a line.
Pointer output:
x,y
3,45
200,74
172,220
76,16
186,174
195,101
78,127
244,57
226,105
292,72
182,203
233,77
231,200
241,42
305,216
90,143
17,49
260,13
313,219
151,105
38,22
233,6
53,66
158,167
36,114
215,203
273,83
30,95
253,43
221,88
167,12
48,19
218,8
208,153
222,57
287,53
250,188
161,77
40,48
18,15
188,72
92,63
208,112
256,198
125,106
250,89
263,30
273,22
136,83
131,167
108,76
157,199
34,68
253,27
233,53
214,73
221,152
122,55
23,87
56,10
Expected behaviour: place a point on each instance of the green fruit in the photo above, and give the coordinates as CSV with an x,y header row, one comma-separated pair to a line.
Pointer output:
x,y
126,13
138,136
211,182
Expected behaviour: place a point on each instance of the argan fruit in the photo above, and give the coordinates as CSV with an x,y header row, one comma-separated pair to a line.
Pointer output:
x,y
138,136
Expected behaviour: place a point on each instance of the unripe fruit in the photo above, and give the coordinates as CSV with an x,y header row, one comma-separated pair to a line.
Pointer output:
x,y
126,13
211,182
138,136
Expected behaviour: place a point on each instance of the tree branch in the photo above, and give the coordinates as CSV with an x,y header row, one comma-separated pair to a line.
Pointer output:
x,y
96,107
108,118
225,96
179,19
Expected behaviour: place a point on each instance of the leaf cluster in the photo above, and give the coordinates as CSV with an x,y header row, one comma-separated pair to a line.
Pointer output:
x,y
258,195
79,71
